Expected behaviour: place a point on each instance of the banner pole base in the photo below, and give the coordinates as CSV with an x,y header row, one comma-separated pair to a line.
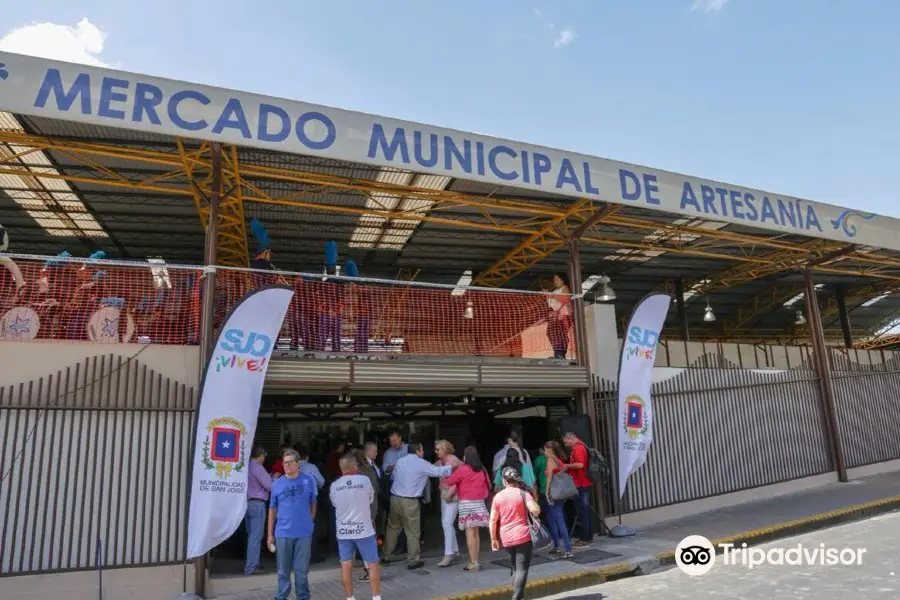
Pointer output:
x,y
620,531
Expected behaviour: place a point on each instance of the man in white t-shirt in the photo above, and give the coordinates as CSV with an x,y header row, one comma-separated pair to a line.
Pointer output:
x,y
352,496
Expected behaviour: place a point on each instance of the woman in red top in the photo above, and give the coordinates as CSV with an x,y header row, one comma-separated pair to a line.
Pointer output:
x,y
472,488
510,526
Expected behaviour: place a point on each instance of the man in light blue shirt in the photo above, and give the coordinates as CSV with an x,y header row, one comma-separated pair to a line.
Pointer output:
x,y
395,452
292,509
410,476
309,468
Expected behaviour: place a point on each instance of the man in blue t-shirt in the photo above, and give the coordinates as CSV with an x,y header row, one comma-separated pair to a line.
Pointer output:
x,y
292,510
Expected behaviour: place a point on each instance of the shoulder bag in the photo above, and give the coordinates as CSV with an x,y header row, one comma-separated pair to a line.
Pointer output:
x,y
540,537
562,486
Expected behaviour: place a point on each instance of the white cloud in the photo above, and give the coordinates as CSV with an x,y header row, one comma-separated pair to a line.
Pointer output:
x,y
709,5
80,44
537,13
565,37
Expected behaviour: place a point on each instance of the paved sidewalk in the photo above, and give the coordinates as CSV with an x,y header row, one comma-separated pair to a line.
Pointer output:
x,y
398,583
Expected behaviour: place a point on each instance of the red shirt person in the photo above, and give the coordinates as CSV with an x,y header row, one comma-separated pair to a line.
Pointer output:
x,y
577,468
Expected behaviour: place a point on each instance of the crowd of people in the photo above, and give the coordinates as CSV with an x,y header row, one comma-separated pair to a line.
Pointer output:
x,y
374,511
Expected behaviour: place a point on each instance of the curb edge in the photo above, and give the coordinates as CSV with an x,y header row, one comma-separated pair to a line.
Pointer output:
x,y
555,584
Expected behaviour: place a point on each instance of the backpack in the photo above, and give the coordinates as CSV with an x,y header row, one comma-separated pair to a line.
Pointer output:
x,y
597,465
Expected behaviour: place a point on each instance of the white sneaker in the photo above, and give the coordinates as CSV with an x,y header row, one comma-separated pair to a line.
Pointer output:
x,y
447,561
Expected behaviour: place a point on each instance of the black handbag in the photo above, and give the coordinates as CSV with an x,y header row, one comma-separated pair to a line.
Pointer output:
x,y
540,537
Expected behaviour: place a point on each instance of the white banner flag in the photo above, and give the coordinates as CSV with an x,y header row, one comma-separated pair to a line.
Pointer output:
x,y
635,413
226,418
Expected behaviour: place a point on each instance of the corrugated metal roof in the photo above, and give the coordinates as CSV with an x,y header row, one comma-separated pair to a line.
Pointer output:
x,y
143,224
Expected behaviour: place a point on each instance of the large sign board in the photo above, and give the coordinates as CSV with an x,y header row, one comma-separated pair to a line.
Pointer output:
x,y
59,90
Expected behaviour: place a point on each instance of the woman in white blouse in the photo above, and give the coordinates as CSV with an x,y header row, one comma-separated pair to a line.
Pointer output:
x,y
559,320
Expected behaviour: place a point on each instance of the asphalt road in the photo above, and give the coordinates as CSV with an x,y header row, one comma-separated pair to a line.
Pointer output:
x,y
878,575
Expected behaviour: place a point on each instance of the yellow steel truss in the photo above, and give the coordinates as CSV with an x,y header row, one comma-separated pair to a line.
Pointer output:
x,y
552,236
184,171
231,244
885,341
772,299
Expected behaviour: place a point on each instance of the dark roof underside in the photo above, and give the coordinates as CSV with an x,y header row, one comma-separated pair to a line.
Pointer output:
x,y
146,224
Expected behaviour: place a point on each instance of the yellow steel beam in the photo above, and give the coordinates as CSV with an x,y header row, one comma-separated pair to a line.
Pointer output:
x,y
533,219
445,200
878,343
231,242
858,295
525,226
773,298
776,296
232,246
761,335
774,262
537,246
886,322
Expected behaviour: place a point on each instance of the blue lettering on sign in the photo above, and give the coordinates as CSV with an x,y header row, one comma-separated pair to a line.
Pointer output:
x,y
142,103
726,202
81,88
254,344
263,132
146,98
191,110
646,338
633,187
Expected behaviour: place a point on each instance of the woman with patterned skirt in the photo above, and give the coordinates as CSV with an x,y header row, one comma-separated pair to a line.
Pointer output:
x,y
473,487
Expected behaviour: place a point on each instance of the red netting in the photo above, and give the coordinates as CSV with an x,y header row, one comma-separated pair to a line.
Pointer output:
x,y
160,305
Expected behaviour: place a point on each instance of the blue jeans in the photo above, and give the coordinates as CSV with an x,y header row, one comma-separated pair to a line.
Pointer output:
x,y
293,554
556,523
254,520
583,506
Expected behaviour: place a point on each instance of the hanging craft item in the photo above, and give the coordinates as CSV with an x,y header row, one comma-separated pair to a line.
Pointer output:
x,y
8,263
19,324
104,325
331,258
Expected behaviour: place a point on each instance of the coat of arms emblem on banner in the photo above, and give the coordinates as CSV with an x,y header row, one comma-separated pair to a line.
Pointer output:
x,y
224,448
636,421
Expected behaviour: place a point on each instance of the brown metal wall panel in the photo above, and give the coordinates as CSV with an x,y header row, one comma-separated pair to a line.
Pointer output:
x,y
94,463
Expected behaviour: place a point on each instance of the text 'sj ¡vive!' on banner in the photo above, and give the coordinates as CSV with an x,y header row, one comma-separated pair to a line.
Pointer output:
x,y
114,98
227,416
635,382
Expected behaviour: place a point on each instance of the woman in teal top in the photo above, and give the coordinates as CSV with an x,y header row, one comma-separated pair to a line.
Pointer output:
x,y
513,460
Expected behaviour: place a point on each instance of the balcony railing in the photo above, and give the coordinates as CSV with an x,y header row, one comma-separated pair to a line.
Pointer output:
x,y
77,300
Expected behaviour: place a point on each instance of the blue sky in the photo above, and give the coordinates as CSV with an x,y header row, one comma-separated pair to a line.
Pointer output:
x,y
799,97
